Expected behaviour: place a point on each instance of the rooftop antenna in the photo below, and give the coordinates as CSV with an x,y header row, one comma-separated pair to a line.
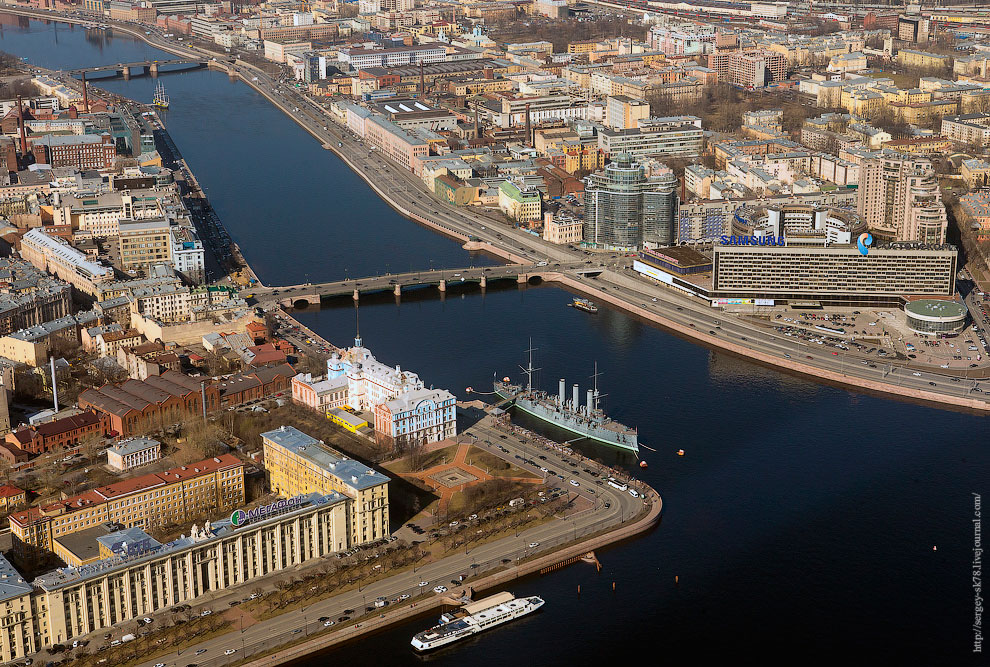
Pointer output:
x,y
529,370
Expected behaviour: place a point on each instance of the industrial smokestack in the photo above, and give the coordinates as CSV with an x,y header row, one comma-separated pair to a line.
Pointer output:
x,y
529,127
85,94
54,385
563,391
477,131
20,121
576,393
422,79
202,389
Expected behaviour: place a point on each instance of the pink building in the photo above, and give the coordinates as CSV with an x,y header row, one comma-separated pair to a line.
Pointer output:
x,y
395,143
320,395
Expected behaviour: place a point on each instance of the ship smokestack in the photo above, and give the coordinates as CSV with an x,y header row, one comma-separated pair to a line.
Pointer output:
x,y
563,391
576,392
591,402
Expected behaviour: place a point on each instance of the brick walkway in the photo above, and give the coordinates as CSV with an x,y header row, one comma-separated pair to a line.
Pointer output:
x,y
430,477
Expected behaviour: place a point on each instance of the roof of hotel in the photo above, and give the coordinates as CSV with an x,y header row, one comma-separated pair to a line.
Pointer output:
x,y
350,472
12,584
137,546
83,543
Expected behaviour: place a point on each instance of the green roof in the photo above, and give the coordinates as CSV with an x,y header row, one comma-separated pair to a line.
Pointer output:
x,y
936,308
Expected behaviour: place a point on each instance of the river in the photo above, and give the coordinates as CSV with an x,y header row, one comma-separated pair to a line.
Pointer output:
x,y
803,519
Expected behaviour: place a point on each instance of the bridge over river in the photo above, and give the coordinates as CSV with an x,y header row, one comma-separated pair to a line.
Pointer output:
x,y
301,296
152,67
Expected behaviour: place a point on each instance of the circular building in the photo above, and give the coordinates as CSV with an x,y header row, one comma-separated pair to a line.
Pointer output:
x,y
935,316
799,224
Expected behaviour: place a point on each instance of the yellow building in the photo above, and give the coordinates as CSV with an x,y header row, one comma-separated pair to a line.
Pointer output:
x,y
298,463
520,204
144,242
923,59
136,576
865,103
925,112
170,497
11,497
352,423
480,86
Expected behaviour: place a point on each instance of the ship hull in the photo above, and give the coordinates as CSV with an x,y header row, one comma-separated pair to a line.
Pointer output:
x,y
632,446
433,645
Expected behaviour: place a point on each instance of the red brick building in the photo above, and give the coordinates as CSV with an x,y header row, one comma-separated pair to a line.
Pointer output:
x,y
255,384
136,406
83,151
58,434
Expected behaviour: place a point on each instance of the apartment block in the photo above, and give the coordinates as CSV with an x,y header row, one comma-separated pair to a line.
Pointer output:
x,y
170,497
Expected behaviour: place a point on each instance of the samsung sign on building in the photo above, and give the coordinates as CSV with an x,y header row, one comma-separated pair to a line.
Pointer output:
x,y
241,518
753,240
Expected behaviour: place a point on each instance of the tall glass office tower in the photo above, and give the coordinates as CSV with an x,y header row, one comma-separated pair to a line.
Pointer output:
x,y
625,208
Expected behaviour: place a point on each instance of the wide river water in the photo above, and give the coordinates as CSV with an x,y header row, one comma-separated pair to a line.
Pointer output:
x,y
803,520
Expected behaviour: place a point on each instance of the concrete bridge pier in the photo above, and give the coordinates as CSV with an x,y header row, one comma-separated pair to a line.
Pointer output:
x,y
126,72
521,278
398,290
443,285
153,69
484,282
357,295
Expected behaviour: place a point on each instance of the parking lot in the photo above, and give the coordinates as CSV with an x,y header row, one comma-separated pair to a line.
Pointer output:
x,y
879,336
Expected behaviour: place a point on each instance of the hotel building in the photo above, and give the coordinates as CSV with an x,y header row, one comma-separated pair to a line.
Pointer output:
x,y
170,497
136,576
835,272
298,463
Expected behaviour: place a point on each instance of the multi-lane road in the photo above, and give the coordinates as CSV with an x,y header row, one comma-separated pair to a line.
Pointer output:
x,y
608,507
406,191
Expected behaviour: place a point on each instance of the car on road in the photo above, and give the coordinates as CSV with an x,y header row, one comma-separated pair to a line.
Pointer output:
x,y
327,624
343,618
439,589
230,651
574,482
200,651
533,545
404,596
159,664
453,524
424,583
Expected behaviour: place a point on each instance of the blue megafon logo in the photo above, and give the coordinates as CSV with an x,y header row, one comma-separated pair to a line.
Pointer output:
x,y
864,242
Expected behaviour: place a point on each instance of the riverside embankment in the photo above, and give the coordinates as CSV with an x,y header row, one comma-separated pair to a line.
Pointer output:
x,y
405,194
626,531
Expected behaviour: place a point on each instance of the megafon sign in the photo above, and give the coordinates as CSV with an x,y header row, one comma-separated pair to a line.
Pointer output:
x,y
243,517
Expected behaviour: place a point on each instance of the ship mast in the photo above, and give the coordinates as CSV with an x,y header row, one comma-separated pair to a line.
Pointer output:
x,y
595,395
529,370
